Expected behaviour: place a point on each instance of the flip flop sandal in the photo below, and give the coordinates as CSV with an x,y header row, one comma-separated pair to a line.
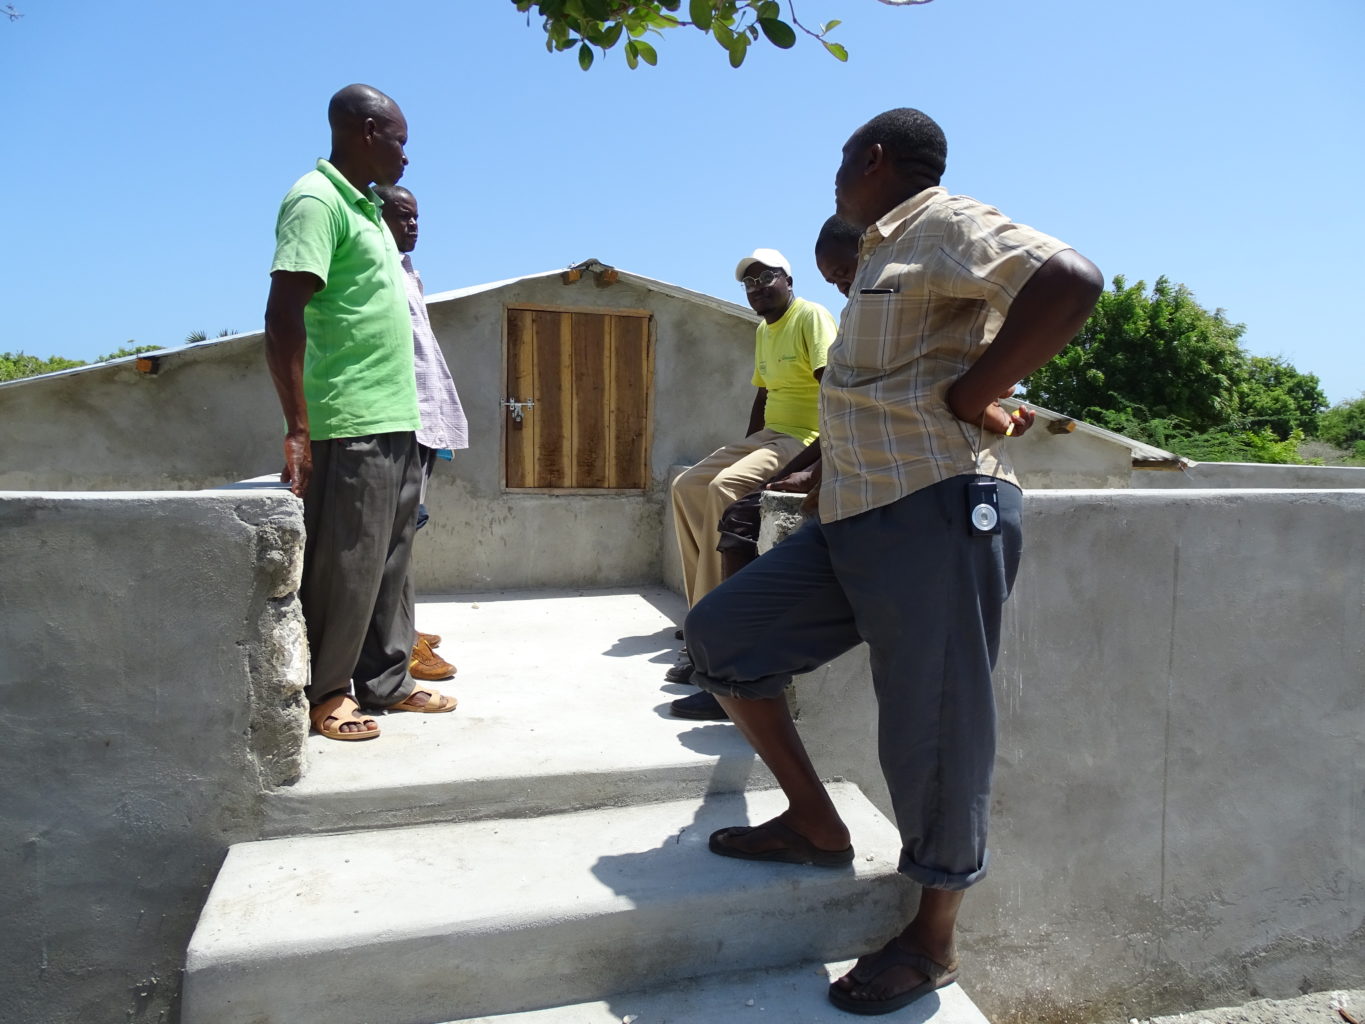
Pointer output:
x,y
795,848
867,970
437,703
341,709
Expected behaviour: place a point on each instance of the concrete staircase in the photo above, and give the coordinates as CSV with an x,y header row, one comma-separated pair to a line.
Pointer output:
x,y
540,854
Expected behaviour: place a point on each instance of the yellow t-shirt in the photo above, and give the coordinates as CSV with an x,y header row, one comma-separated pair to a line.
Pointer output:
x,y
786,356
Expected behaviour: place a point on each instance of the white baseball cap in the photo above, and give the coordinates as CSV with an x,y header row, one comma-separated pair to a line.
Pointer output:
x,y
768,257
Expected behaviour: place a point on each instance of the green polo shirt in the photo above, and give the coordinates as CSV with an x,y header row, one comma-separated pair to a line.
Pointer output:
x,y
357,369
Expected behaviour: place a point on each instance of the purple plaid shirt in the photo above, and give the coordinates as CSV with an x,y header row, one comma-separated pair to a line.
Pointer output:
x,y
443,422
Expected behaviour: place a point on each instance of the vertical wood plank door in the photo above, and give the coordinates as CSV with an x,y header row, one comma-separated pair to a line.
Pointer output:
x,y
590,376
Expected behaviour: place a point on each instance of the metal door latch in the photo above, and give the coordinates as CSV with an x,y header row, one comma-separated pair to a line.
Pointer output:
x,y
517,407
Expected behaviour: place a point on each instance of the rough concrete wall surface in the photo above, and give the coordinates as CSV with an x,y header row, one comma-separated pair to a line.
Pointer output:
x,y
1177,814
1253,474
134,630
208,416
1051,461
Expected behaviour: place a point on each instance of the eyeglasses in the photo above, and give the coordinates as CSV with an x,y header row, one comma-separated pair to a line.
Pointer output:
x,y
762,280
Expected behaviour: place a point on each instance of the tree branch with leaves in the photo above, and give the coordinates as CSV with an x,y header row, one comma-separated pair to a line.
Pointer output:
x,y
586,25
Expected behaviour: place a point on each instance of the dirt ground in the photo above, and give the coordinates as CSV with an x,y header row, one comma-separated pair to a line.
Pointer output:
x,y
1318,1008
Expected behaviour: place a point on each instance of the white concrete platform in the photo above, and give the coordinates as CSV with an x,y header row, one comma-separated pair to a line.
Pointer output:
x,y
790,995
562,706
434,922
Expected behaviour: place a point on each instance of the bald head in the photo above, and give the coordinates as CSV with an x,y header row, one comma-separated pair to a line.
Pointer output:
x,y
368,135
351,106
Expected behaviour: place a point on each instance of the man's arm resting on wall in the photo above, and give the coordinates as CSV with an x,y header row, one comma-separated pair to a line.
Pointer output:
x,y
756,414
1046,314
286,338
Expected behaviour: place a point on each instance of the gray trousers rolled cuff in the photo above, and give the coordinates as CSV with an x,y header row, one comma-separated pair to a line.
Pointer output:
x,y
360,515
927,597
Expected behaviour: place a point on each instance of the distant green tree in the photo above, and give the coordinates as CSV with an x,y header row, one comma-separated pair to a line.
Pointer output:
x,y
194,337
14,365
1275,396
1161,354
1344,424
1222,444
130,349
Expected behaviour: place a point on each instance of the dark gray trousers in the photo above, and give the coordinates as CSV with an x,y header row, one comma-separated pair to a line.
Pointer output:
x,y
926,597
360,513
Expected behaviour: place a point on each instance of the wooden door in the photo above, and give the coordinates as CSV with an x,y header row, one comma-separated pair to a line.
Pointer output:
x,y
584,380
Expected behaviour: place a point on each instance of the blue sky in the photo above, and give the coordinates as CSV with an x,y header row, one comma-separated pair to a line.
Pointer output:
x,y
148,145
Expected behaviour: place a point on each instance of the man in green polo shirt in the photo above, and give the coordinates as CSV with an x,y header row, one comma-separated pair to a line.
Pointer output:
x,y
339,346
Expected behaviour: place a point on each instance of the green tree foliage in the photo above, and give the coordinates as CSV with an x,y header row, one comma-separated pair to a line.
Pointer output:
x,y
581,25
1223,444
14,365
1162,355
1344,425
130,349
1274,396
195,337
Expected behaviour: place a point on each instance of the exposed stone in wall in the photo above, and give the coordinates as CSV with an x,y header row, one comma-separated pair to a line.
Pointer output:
x,y
277,656
781,516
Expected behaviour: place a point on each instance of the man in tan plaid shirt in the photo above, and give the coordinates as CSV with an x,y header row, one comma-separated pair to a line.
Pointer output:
x,y
952,304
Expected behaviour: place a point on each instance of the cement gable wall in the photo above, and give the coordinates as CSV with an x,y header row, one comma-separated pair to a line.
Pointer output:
x,y
483,537
152,661
208,417
1179,784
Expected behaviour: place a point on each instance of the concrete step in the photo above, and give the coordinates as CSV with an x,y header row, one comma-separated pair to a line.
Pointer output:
x,y
562,707
789,995
434,922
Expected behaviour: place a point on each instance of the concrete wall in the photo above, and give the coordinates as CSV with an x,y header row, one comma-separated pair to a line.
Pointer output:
x,y
1204,475
152,660
482,537
1179,810
1052,461
210,415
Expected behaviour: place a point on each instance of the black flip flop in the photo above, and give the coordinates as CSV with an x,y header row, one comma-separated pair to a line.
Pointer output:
x,y
936,976
796,848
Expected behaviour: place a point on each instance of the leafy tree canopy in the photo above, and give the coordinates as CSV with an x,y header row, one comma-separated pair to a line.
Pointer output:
x,y
581,25
1161,354
1274,396
130,349
1344,424
14,365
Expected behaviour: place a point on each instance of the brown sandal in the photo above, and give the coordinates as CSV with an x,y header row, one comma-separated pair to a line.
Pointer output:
x,y
437,703
342,709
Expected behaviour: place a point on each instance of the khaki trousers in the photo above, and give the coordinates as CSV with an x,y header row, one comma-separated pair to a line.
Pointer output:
x,y
702,493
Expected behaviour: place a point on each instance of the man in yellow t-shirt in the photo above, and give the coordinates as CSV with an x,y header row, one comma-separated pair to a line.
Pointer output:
x,y
789,357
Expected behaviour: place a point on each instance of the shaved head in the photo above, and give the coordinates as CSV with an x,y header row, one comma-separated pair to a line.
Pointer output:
x,y
911,139
351,106
392,193
838,238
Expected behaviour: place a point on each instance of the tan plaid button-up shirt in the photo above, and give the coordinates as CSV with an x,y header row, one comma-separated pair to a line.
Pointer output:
x,y
935,278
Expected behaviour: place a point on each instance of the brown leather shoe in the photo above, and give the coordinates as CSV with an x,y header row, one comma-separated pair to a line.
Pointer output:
x,y
433,639
426,664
